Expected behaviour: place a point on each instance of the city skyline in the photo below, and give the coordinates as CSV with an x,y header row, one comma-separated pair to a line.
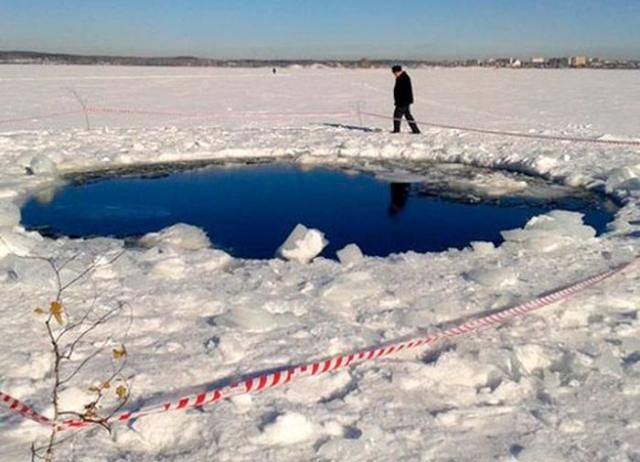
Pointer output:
x,y
286,29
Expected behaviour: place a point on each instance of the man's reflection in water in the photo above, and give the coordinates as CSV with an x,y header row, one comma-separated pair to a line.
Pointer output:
x,y
399,197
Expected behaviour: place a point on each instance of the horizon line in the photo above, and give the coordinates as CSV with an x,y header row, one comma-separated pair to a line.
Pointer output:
x,y
363,58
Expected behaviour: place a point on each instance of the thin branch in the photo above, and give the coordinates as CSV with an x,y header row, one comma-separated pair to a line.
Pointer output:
x,y
46,452
90,269
100,321
36,451
84,108
70,326
85,361
17,254
66,262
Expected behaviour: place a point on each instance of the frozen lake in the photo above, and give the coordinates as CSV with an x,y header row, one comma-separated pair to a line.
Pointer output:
x,y
559,385
249,211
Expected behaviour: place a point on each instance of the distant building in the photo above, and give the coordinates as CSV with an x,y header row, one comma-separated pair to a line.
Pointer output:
x,y
578,61
538,61
558,62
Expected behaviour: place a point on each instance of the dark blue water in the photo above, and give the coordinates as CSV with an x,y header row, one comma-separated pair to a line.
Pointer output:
x,y
250,211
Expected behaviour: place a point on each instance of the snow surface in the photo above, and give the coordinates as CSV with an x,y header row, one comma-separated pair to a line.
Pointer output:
x,y
563,384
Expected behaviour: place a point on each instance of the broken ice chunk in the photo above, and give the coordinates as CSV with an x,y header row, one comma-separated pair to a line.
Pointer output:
x,y
302,245
9,215
42,165
492,277
547,232
181,236
350,255
623,178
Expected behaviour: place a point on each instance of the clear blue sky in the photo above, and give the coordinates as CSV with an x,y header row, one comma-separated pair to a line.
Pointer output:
x,y
324,29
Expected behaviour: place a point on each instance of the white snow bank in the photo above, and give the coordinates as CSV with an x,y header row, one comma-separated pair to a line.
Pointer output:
x,y
452,370
73,399
162,434
624,178
452,379
17,242
289,428
325,386
16,269
43,165
170,262
351,287
181,235
254,319
533,357
496,185
493,276
9,214
35,366
303,244
547,232
483,248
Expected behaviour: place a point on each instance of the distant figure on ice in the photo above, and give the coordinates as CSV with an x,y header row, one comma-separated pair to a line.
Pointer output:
x,y
399,197
403,97
274,71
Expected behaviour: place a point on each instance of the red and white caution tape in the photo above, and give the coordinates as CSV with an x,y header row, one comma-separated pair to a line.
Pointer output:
x,y
285,375
223,115
231,114
52,115
573,139
22,409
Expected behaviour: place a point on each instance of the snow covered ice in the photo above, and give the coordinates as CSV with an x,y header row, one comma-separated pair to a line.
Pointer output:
x,y
181,235
544,233
562,384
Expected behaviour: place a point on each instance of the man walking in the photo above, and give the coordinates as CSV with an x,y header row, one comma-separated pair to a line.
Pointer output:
x,y
403,96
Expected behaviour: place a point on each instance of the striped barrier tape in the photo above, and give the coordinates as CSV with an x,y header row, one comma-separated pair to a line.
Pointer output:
x,y
133,111
285,375
484,131
40,117
230,114
22,409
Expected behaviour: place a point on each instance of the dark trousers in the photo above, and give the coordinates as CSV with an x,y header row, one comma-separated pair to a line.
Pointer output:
x,y
397,117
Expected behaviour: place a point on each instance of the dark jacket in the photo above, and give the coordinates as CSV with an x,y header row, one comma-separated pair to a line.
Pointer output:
x,y
402,92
